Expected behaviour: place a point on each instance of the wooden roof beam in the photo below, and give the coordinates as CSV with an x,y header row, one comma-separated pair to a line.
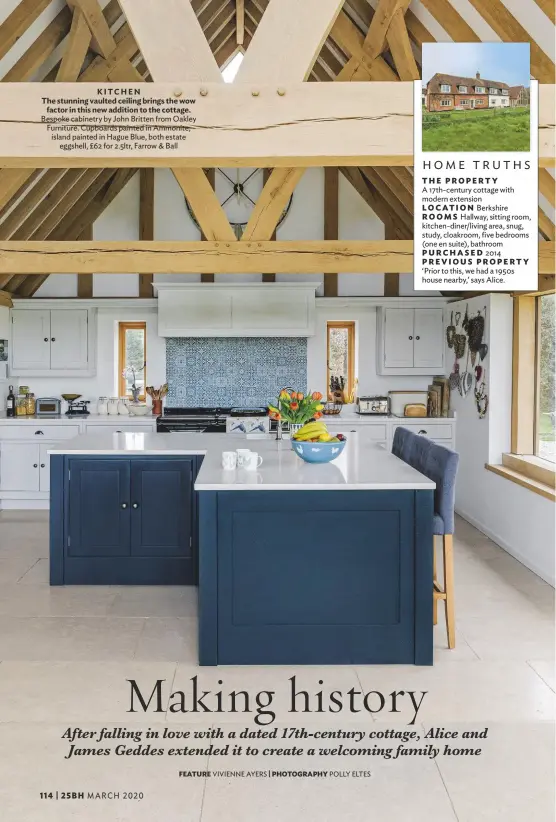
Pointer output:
x,y
17,23
103,42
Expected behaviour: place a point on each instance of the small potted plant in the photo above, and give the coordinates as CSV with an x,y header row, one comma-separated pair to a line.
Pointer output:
x,y
296,408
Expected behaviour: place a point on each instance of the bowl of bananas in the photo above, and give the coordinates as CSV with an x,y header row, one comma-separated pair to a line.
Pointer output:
x,y
314,443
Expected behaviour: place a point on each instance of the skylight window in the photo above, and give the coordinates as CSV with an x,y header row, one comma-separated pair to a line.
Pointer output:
x,y
229,73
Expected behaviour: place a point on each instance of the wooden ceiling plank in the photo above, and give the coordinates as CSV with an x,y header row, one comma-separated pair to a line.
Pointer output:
x,y
33,58
91,205
11,181
175,46
17,23
48,202
397,188
375,41
125,72
546,226
172,43
451,21
288,41
384,189
100,68
146,222
547,186
225,21
271,203
511,31
549,8
79,40
102,42
205,205
319,256
346,34
12,202
23,209
67,202
331,222
400,48
240,20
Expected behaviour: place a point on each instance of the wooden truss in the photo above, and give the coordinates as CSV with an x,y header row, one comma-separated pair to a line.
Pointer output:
x,y
326,40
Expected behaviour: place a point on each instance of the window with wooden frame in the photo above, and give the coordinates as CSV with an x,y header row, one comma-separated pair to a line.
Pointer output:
x,y
132,357
532,461
340,358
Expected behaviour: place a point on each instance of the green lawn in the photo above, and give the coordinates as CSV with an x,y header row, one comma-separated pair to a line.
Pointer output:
x,y
489,130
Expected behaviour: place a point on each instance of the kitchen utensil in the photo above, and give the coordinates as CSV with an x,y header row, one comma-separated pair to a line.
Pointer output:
x,y
475,331
483,351
473,357
400,399
229,460
372,405
465,322
454,377
252,461
70,397
319,452
78,408
478,372
460,344
466,379
451,332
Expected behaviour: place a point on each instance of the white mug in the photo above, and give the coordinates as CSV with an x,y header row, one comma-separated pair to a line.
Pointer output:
x,y
242,454
229,460
252,461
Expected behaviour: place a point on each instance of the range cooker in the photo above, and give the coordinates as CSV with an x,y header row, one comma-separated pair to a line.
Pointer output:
x,y
204,420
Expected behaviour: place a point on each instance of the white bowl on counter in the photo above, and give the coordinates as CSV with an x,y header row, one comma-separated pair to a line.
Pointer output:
x,y
140,410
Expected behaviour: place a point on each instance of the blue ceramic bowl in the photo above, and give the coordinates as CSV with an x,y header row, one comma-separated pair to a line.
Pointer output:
x,y
318,451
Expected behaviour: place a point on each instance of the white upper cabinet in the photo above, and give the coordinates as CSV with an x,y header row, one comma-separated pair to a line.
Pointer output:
x,y
53,342
410,341
69,339
30,341
240,310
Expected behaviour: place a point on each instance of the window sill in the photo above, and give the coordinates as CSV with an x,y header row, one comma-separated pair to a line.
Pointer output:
x,y
541,488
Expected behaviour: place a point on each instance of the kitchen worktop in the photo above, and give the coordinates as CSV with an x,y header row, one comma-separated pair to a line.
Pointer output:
x,y
60,419
361,466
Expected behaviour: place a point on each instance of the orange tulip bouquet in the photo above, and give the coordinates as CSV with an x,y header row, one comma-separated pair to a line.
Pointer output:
x,y
297,408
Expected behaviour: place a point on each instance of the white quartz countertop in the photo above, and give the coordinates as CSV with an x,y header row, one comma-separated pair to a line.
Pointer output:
x,y
62,419
361,466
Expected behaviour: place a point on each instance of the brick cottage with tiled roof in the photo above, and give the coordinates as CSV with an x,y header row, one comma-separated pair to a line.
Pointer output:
x,y
449,92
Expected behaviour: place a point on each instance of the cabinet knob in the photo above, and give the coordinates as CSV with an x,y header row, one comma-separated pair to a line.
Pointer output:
x,y
53,339
35,465
124,504
417,338
135,505
39,432
43,465
46,339
410,338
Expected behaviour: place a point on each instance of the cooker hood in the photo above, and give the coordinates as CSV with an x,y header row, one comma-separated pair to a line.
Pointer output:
x,y
240,310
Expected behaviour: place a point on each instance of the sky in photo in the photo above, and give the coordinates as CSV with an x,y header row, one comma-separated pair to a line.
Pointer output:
x,y
504,62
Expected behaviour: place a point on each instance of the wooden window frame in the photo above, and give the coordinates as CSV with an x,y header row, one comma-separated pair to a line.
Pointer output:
x,y
350,326
122,328
523,465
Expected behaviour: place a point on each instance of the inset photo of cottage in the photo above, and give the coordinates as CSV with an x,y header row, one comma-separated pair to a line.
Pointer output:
x,y
476,97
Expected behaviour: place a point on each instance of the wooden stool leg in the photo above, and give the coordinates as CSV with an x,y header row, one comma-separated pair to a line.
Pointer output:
x,y
449,589
434,578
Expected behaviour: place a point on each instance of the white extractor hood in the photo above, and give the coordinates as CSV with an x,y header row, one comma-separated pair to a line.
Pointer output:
x,y
240,310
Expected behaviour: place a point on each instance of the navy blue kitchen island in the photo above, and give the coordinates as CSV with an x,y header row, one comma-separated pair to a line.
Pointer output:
x,y
296,564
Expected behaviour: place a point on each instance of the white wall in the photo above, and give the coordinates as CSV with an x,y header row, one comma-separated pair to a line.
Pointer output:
x,y
519,520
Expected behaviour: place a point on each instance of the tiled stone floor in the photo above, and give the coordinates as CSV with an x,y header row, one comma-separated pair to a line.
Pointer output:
x,y
65,656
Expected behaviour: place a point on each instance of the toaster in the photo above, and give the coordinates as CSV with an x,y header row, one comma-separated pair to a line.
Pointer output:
x,y
372,405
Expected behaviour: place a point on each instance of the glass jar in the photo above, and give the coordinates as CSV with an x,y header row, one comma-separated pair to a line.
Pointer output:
x,y
113,406
31,405
21,406
102,405
123,408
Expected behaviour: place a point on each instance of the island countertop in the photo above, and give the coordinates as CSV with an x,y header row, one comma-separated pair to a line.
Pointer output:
x,y
361,466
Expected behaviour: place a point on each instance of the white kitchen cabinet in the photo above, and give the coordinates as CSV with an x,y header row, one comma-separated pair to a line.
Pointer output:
x,y
410,341
19,466
44,467
69,347
30,341
56,342
121,428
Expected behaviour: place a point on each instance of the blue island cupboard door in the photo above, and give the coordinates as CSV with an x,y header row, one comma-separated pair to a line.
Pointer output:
x,y
98,518
162,508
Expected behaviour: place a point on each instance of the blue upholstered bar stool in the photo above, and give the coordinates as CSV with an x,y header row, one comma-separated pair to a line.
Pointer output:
x,y
441,467
439,464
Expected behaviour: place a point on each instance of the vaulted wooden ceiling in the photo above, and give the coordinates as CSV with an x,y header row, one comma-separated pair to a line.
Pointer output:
x,y
86,43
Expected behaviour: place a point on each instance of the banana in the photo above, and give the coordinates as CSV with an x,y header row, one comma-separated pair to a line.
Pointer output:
x,y
311,430
311,426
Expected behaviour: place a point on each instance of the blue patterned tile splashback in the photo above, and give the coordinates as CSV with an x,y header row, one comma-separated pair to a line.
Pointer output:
x,y
235,371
